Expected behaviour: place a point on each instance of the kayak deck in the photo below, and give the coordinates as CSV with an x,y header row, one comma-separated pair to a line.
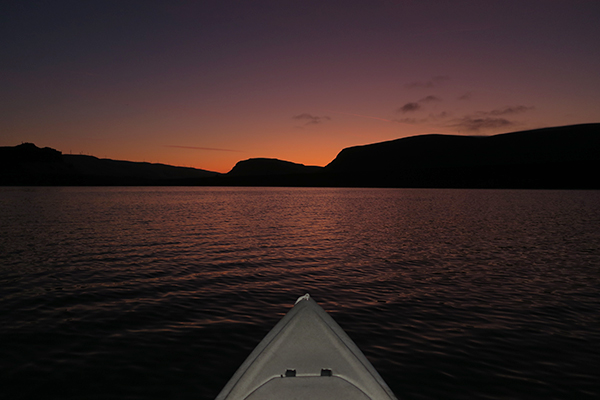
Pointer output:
x,y
306,355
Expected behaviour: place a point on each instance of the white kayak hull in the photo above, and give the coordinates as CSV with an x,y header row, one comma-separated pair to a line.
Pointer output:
x,y
306,355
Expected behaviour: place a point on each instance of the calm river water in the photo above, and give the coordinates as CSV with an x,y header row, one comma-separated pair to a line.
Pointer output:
x,y
155,293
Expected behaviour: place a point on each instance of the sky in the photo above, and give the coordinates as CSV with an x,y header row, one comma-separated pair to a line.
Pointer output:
x,y
206,84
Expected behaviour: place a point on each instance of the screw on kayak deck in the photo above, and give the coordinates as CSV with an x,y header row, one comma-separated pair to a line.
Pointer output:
x,y
290,372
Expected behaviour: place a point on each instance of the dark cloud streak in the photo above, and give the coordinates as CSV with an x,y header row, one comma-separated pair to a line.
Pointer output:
x,y
416,105
430,99
474,124
430,118
202,148
311,119
484,120
409,121
510,110
409,107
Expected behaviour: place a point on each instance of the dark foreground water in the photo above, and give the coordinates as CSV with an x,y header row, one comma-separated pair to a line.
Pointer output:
x,y
156,293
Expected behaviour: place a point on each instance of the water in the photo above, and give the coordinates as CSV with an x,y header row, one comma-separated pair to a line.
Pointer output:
x,y
153,293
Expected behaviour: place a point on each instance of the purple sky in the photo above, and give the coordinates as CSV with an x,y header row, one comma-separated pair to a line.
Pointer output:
x,y
209,83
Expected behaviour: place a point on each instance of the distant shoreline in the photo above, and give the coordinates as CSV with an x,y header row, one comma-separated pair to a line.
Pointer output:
x,y
550,158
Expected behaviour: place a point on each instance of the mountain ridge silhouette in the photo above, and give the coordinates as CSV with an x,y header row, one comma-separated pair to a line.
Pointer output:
x,y
270,166
562,157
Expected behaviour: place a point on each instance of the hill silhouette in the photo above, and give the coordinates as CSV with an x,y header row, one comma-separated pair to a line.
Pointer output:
x,y
558,157
92,166
27,164
564,157
267,172
270,166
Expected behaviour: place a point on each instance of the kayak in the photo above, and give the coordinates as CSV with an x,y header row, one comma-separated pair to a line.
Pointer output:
x,y
307,355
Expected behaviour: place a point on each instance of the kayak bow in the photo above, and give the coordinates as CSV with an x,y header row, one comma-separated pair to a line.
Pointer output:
x,y
307,355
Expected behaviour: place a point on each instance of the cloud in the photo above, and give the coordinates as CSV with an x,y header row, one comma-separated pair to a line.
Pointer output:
x,y
201,148
409,107
410,121
360,115
429,99
431,118
441,115
416,105
475,124
311,119
435,81
466,96
482,120
510,110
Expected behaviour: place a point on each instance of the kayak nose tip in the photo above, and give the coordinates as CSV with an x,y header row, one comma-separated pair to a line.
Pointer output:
x,y
305,297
